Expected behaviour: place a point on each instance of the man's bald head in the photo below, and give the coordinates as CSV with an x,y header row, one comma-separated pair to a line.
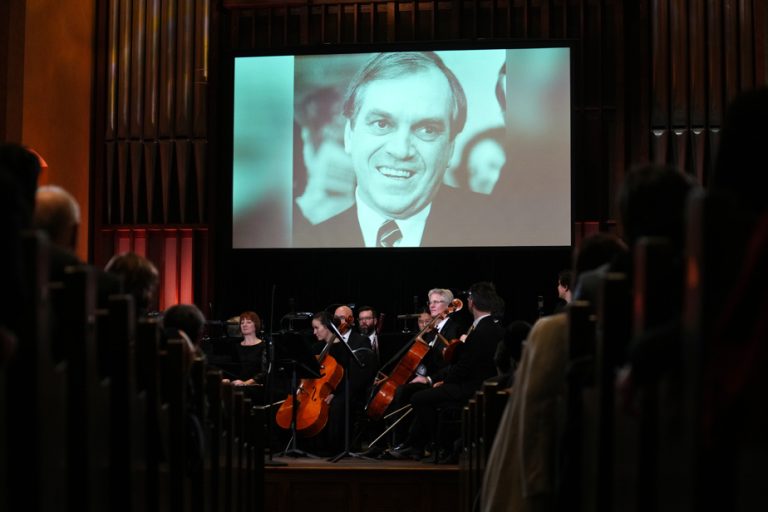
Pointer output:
x,y
346,318
58,214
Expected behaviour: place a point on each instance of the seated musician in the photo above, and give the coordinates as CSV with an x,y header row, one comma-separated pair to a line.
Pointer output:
x,y
449,328
368,326
471,364
250,353
332,438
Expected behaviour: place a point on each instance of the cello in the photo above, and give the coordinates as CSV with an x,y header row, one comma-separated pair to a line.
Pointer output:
x,y
312,411
406,367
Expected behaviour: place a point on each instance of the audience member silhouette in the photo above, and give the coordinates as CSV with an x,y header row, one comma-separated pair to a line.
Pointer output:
x,y
140,279
564,290
733,450
523,467
57,214
508,352
19,170
651,202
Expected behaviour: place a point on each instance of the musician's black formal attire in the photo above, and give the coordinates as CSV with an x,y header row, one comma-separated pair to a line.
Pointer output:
x,y
331,439
252,362
473,364
431,365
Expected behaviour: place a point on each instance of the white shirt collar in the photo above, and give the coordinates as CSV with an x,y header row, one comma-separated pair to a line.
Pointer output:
x,y
477,320
370,221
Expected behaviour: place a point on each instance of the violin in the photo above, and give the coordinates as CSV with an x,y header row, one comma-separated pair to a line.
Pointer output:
x,y
312,411
453,348
406,367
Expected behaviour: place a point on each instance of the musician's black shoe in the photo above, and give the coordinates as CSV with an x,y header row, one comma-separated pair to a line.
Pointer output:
x,y
387,454
447,457
407,452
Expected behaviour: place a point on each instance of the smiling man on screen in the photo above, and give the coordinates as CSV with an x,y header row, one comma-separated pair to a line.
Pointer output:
x,y
403,113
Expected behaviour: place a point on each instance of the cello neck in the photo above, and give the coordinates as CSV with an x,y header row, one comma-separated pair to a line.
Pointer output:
x,y
324,352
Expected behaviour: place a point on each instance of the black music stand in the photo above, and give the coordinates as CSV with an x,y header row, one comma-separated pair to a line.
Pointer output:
x,y
347,395
295,353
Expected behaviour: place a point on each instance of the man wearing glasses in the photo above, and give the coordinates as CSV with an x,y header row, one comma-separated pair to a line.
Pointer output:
x,y
368,326
450,329
458,382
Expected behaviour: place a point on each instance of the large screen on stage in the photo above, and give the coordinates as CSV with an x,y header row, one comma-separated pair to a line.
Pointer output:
x,y
437,148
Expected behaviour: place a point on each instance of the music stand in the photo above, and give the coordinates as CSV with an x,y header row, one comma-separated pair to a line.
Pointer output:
x,y
347,394
295,353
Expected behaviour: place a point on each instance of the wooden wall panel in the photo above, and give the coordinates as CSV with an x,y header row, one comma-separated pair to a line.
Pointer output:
x,y
760,11
660,63
155,108
138,37
697,64
124,69
137,161
167,67
679,67
715,61
185,20
111,69
151,66
202,44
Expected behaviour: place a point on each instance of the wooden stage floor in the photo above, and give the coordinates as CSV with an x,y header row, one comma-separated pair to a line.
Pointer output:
x,y
359,485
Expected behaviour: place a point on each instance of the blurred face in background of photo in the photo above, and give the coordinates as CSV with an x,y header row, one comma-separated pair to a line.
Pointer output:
x,y
484,164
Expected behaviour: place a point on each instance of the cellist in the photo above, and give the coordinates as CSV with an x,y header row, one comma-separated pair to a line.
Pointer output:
x,y
471,366
449,328
332,437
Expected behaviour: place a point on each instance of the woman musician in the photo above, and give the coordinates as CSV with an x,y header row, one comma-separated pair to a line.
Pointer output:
x,y
250,357
448,328
331,439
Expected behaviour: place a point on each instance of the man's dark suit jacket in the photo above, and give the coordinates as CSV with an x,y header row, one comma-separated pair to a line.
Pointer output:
x,y
450,207
433,360
475,360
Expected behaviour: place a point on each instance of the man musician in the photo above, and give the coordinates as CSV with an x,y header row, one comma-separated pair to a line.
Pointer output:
x,y
445,328
455,384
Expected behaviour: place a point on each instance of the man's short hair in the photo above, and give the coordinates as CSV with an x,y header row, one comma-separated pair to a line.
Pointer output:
x,y
140,277
485,298
56,212
564,278
443,292
21,168
652,201
186,318
366,308
384,66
